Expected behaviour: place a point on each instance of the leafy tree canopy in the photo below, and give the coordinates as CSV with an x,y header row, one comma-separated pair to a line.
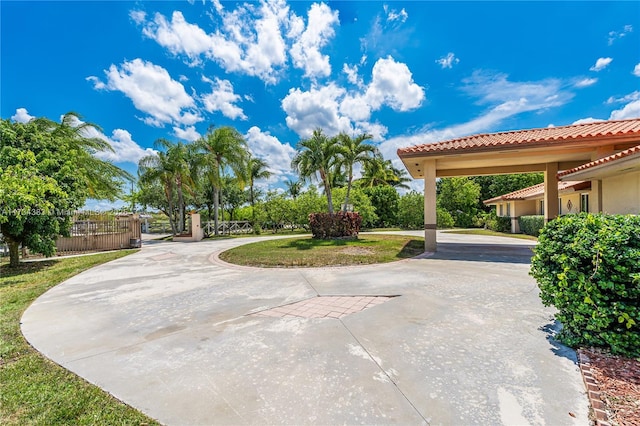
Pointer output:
x,y
47,171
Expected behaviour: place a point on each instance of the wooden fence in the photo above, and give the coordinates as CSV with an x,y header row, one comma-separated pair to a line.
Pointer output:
x,y
101,235
227,227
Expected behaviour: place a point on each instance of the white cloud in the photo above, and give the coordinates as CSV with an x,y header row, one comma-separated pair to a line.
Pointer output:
x,y
631,109
138,16
250,39
394,15
392,84
636,70
587,120
305,51
152,91
22,116
601,64
223,99
125,148
277,155
335,110
448,61
633,96
97,84
189,133
178,36
586,82
352,74
615,35
318,107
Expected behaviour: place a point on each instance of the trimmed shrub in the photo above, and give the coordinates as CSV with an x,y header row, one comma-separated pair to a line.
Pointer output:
x,y
497,223
588,267
531,225
337,225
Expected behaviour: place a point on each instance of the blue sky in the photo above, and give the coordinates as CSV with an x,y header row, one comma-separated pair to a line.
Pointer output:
x,y
406,72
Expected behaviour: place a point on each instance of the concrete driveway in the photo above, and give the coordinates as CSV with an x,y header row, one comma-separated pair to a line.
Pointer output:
x,y
169,331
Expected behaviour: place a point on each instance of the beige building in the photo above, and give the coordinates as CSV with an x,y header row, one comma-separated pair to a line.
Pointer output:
x,y
606,154
573,197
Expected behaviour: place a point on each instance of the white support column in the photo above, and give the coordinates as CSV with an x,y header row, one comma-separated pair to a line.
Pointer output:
x,y
550,192
430,243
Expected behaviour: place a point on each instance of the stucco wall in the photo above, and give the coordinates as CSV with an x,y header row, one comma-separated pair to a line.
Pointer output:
x,y
525,208
570,203
621,194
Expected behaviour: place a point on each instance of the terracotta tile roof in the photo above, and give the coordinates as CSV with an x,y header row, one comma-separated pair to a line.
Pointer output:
x,y
538,190
549,135
611,158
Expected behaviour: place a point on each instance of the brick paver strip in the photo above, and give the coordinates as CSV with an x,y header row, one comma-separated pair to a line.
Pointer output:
x,y
324,307
593,391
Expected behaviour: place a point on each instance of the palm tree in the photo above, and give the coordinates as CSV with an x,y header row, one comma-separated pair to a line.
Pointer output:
x,y
103,179
256,169
222,148
379,171
172,169
317,156
352,151
293,187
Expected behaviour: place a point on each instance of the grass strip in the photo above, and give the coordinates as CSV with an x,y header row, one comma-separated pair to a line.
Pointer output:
x,y
34,390
310,252
492,234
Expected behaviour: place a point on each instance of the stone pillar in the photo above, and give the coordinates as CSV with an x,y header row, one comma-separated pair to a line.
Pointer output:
x,y
430,243
550,192
197,233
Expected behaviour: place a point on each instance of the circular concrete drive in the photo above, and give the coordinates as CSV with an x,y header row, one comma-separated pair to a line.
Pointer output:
x,y
174,332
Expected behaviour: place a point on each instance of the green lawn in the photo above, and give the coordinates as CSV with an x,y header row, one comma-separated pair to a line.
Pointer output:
x,y
34,390
309,252
492,233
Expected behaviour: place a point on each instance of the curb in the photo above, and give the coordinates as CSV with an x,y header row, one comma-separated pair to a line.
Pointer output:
x,y
593,390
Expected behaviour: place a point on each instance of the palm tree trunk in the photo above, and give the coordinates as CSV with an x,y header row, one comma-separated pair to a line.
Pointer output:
x,y
253,209
327,189
346,198
216,207
181,208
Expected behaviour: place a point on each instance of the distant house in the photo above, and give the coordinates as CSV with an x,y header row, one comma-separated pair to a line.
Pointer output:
x,y
617,174
605,154
573,197
619,178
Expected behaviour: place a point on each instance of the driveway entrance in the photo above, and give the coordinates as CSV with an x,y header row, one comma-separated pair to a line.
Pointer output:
x,y
176,333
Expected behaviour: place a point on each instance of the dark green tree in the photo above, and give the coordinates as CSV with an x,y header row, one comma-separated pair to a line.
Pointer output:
x,y
494,186
459,196
384,199
47,172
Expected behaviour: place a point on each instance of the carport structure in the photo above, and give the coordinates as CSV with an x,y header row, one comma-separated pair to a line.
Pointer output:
x,y
549,150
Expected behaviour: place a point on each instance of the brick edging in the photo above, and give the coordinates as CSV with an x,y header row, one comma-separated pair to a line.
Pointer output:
x,y
593,390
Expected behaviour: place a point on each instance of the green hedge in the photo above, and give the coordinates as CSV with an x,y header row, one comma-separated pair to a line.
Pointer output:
x,y
531,225
588,267
497,223
336,225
